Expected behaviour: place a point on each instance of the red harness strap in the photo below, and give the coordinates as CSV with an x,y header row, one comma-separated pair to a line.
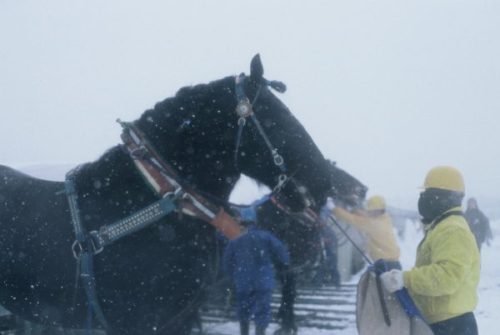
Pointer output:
x,y
163,179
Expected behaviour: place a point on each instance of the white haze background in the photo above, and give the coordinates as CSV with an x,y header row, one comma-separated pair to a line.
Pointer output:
x,y
388,89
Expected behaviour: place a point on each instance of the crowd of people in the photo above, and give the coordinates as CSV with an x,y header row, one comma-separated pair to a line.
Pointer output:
x,y
443,283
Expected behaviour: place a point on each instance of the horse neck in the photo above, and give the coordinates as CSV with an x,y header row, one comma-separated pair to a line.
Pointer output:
x,y
112,173
197,136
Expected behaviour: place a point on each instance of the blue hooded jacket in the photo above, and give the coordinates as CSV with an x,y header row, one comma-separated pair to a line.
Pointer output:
x,y
249,259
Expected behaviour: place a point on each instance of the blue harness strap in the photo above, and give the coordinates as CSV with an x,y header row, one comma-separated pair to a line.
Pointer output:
x,y
87,245
244,110
408,305
405,300
139,220
83,250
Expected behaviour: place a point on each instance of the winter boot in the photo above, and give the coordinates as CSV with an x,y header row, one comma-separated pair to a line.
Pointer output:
x,y
244,327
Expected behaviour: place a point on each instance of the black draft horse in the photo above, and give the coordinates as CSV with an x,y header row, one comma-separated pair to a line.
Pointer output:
x,y
150,282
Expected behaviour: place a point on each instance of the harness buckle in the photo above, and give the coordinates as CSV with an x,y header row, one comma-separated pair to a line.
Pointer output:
x,y
244,108
139,152
96,242
282,179
91,244
175,194
77,249
278,159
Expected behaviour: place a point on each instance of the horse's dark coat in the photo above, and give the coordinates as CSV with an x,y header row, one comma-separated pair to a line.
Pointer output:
x,y
148,281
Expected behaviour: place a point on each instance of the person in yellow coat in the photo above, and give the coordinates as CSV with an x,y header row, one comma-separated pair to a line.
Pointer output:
x,y
444,281
376,225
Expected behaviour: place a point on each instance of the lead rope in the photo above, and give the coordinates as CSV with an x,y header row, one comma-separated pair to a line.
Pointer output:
x,y
383,304
366,258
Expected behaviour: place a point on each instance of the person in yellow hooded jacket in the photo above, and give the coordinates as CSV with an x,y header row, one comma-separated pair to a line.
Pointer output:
x,y
444,281
376,224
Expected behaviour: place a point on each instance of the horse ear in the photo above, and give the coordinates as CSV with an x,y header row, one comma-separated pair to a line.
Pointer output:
x,y
256,68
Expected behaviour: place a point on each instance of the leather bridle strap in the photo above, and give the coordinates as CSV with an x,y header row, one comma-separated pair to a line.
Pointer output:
x,y
244,110
164,180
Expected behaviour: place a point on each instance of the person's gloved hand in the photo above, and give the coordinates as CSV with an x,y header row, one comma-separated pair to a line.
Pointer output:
x,y
392,280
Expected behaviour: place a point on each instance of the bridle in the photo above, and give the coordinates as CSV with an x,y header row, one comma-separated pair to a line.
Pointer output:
x,y
244,111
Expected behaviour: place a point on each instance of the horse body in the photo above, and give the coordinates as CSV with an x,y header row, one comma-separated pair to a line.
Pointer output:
x,y
152,281
142,281
30,210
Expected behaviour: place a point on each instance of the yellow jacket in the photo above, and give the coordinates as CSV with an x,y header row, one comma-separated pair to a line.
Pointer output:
x,y
444,281
381,241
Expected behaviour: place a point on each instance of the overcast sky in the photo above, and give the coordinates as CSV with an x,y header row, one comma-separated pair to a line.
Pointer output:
x,y
388,89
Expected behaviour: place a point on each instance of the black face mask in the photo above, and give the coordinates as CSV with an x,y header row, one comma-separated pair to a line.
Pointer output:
x,y
434,202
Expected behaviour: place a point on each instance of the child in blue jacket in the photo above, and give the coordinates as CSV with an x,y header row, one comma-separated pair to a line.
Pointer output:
x,y
248,260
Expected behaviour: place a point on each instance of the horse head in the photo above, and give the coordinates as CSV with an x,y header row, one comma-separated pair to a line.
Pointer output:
x,y
346,189
212,133
292,166
301,232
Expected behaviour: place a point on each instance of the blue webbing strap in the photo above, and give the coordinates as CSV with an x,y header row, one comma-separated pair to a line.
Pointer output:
x,y
405,300
85,257
242,99
89,244
407,303
88,281
135,222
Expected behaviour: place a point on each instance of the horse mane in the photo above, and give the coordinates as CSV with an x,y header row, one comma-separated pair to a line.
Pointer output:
x,y
172,125
190,100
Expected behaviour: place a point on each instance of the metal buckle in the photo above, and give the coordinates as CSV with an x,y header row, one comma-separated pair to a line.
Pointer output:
x,y
175,194
244,108
93,240
139,152
77,249
278,159
96,243
282,179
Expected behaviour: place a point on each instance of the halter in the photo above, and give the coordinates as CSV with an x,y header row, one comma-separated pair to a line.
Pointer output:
x,y
245,110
